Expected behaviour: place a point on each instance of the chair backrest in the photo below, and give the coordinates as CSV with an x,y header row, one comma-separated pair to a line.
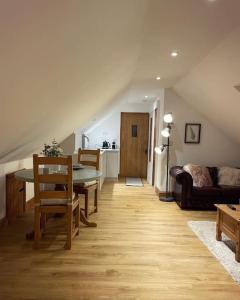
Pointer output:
x,y
89,157
43,175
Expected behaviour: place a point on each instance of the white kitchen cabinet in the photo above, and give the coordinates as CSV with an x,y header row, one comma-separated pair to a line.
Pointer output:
x,y
102,167
112,164
109,165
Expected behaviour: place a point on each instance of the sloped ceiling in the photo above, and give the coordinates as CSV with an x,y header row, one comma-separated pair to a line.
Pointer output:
x,y
210,87
63,61
191,27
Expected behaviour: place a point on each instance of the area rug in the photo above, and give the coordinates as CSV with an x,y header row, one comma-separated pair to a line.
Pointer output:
x,y
134,181
223,250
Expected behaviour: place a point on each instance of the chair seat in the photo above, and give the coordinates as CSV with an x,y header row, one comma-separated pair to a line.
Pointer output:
x,y
86,184
56,201
53,202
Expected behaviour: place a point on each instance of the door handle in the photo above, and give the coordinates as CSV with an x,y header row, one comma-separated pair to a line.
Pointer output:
x,y
146,151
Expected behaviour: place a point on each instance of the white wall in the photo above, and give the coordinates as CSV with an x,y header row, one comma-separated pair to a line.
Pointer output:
x,y
215,148
68,145
9,168
108,127
209,87
62,61
159,170
156,105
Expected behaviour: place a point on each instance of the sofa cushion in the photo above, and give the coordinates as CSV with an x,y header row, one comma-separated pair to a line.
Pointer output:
x,y
200,175
206,192
213,171
228,176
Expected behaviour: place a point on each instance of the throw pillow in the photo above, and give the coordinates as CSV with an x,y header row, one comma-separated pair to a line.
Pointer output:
x,y
213,172
228,176
200,175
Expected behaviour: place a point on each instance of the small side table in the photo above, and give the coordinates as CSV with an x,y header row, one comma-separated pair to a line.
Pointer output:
x,y
228,222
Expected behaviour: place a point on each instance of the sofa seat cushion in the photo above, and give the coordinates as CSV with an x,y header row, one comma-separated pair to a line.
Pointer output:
x,y
50,202
206,192
230,191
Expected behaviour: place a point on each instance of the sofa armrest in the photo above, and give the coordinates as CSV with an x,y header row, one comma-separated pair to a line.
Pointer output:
x,y
181,176
182,187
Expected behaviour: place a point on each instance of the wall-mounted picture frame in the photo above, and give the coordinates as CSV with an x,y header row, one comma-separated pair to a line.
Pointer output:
x,y
192,133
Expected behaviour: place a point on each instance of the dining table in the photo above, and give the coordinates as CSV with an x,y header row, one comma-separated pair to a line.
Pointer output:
x,y
80,175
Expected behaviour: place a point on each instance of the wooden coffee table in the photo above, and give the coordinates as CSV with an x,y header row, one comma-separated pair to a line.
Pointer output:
x,y
228,222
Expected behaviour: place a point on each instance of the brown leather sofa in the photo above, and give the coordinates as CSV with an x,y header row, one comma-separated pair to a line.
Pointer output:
x,y
189,197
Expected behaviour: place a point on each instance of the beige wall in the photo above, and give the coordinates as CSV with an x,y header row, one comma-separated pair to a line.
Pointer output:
x,y
215,148
62,61
209,87
68,145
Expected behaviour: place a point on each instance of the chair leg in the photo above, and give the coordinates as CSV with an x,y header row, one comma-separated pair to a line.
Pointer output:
x,y
86,204
43,220
37,227
69,215
96,200
77,218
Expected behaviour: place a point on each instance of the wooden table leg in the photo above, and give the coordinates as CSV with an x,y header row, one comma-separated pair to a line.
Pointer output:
x,y
85,221
218,226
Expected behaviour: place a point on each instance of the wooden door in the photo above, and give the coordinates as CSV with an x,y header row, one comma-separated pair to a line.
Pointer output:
x,y
134,144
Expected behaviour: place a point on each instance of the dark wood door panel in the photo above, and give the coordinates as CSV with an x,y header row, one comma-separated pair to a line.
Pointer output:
x,y
134,144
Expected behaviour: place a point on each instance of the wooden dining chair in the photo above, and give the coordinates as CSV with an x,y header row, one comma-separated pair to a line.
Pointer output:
x,y
52,201
88,158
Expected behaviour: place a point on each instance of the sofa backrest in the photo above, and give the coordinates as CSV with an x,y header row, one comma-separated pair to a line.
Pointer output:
x,y
213,171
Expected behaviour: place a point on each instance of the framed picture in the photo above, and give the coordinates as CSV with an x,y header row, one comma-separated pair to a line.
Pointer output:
x,y
192,133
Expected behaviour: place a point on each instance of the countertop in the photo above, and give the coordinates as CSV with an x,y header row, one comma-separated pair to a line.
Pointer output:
x,y
109,150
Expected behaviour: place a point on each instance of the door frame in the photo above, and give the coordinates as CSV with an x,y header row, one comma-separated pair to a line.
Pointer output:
x,y
154,145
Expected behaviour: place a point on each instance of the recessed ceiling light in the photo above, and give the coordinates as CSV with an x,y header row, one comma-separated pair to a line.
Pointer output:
x,y
174,54
158,78
146,97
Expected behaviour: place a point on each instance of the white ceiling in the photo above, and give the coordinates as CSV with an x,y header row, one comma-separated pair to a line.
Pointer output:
x,y
191,27
63,61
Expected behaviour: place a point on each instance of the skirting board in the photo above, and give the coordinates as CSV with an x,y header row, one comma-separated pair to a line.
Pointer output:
x,y
159,193
111,179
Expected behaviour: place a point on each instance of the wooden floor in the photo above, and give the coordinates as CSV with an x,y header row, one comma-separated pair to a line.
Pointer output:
x,y
141,249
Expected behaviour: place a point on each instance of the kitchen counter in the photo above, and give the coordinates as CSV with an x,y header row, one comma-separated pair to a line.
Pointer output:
x,y
109,150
